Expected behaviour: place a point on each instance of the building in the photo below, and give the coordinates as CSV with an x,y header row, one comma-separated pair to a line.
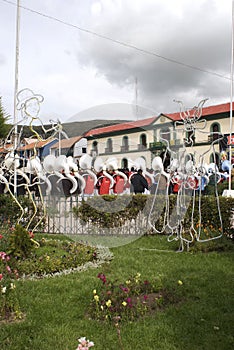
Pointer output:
x,y
74,146
34,147
152,136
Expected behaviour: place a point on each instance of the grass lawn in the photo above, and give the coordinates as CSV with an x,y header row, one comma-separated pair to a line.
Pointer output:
x,y
56,308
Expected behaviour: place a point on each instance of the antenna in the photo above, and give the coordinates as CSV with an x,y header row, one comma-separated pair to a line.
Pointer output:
x,y
136,98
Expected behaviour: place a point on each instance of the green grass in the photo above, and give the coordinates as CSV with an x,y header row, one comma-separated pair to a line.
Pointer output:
x,y
56,308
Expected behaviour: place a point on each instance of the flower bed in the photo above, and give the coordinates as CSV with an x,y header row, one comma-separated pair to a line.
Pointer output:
x,y
22,256
128,300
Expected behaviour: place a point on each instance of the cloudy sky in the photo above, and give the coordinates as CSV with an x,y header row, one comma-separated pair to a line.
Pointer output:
x,y
83,54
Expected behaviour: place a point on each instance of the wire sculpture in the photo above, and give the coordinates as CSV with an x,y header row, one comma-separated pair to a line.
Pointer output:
x,y
191,173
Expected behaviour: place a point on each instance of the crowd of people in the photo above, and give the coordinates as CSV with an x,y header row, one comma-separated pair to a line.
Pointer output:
x,y
160,182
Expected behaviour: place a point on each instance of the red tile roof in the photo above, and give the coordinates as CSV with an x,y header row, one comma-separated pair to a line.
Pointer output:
x,y
6,148
119,127
211,110
37,144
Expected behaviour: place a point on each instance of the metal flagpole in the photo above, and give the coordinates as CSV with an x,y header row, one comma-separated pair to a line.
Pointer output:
x,y
231,100
16,88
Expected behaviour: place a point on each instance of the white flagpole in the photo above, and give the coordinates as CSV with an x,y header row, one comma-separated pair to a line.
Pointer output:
x,y
231,100
16,88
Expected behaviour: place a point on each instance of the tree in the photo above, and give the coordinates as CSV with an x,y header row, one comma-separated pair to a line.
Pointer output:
x,y
4,127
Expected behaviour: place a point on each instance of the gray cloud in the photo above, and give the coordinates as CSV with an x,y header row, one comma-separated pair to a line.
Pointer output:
x,y
75,70
198,34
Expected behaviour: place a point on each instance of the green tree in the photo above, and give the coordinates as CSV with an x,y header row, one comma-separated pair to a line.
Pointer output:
x,y
4,127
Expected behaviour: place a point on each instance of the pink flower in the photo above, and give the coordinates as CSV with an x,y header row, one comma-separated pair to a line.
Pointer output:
x,y
84,344
3,255
1,236
129,301
8,268
31,235
124,289
1,276
102,277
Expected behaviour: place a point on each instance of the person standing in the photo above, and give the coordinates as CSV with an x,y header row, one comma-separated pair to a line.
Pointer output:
x,y
139,182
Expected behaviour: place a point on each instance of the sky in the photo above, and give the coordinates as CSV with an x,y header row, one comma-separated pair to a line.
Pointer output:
x,y
95,59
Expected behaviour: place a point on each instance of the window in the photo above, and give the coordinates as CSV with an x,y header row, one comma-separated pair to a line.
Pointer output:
x,y
94,151
165,134
215,131
109,146
125,145
124,163
143,140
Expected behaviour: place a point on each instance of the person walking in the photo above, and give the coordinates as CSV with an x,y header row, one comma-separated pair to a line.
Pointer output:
x,y
139,182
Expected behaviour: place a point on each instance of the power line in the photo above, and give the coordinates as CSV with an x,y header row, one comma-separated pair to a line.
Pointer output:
x,y
122,43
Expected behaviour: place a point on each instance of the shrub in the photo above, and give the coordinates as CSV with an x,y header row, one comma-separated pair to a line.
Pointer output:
x,y
110,210
10,213
20,242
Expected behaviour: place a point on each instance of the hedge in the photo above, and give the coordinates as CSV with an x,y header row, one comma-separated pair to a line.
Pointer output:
x,y
113,211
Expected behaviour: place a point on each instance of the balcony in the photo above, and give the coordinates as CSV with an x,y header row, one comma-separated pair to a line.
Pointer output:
x,y
141,147
156,145
214,137
94,153
109,150
124,148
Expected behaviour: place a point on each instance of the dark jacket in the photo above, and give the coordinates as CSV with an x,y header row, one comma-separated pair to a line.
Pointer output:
x,y
139,183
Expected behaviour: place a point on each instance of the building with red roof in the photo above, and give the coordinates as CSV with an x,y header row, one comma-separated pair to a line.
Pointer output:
x,y
205,133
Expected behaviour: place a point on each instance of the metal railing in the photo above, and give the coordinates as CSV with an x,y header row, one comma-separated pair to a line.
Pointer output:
x,y
60,218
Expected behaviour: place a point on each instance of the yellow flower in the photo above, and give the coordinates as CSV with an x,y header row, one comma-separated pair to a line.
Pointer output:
x,y
102,307
128,282
124,303
94,291
180,282
47,258
108,303
96,298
